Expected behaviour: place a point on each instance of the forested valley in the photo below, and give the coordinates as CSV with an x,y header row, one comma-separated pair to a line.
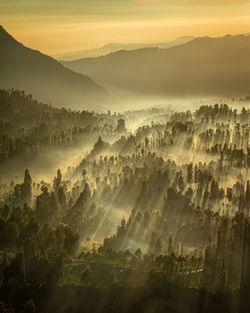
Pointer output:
x,y
152,215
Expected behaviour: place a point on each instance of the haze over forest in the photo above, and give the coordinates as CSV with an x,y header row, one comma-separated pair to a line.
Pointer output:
x,y
124,156
188,67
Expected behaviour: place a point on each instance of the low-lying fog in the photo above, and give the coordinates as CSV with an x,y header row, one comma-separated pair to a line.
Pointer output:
x,y
43,166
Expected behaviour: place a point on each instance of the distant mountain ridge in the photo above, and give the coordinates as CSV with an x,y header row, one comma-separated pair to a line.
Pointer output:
x,y
114,47
203,66
44,77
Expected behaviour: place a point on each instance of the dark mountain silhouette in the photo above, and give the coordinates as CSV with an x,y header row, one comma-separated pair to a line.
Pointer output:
x,y
115,46
44,77
204,66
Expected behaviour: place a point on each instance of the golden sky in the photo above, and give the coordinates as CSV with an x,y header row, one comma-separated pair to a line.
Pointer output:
x,y
59,26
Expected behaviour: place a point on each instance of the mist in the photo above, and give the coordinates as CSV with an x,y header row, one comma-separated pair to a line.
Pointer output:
x,y
124,179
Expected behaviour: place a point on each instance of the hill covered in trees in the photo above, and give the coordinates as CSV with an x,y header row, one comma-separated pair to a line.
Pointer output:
x,y
36,73
28,126
155,219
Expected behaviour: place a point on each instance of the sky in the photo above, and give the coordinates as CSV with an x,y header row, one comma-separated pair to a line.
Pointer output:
x,y
60,26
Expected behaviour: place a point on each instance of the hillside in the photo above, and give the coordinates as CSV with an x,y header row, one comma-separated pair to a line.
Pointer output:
x,y
204,66
114,46
44,77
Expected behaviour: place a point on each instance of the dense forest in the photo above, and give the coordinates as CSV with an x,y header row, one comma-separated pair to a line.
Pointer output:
x,y
153,218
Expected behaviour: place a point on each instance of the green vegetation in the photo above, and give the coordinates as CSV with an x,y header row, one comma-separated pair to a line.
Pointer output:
x,y
151,220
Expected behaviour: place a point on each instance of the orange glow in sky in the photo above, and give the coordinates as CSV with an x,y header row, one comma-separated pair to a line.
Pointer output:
x,y
59,26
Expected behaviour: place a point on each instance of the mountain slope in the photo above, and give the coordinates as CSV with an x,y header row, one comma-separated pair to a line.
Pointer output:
x,y
44,77
204,66
113,47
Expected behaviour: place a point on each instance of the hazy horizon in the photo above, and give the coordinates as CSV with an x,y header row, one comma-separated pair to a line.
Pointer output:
x,y
56,27
125,167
